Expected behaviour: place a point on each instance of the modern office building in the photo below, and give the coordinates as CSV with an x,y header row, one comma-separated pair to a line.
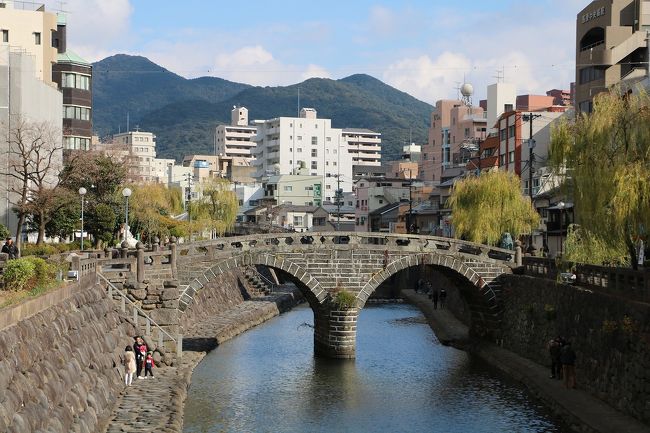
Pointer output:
x,y
611,47
304,145
235,140
364,145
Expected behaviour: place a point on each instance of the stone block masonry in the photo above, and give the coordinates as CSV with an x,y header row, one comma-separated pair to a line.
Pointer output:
x,y
60,369
610,334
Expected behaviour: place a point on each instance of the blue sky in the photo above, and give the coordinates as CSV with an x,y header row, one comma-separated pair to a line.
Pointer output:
x,y
422,47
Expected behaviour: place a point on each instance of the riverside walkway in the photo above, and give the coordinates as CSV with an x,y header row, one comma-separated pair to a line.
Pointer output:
x,y
157,405
578,408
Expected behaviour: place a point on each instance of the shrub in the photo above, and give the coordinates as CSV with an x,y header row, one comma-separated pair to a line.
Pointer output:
x,y
4,233
38,250
345,299
18,273
44,273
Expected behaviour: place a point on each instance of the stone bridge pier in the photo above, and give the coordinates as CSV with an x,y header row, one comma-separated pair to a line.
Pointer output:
x,y
335,332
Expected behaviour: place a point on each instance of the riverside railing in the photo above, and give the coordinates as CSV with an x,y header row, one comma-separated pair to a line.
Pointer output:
x,y
138,312
634,284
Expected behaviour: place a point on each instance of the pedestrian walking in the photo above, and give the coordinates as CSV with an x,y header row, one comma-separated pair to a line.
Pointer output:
x,y
10,249
149,364
554,349
443,297
568,359
435,299
129,365
140,349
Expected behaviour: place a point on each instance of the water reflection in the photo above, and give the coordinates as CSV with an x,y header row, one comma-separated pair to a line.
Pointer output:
x,y
403,380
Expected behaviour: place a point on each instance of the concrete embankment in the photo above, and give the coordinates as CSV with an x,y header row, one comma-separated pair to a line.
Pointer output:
x,y
582,411
158,404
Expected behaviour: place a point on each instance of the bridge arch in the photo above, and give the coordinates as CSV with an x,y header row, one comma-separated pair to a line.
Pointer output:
x,y
325,266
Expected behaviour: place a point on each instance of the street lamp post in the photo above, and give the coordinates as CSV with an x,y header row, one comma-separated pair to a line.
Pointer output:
x,y
82,193
561,205
126,192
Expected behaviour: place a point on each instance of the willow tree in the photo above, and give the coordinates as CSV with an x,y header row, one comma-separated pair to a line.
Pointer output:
x,y
606,155
484,207
151,207
217,208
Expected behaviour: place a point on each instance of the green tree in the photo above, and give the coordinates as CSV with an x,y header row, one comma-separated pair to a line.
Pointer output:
x,y
606,157
151,207
217,208
100,223
486,206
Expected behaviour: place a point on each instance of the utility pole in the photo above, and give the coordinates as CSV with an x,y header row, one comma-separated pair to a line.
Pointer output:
x,y
531,156
410,218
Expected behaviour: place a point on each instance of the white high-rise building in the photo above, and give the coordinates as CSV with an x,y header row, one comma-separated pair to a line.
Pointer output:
x,y
236,139
304,145
502,97
364,145
141,148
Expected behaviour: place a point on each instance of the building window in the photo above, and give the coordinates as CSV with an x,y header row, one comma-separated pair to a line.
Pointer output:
x,y
511,131
299,150
288,188
314,165
76,143
466,132
75,81
504,134
5,36
314,153
297,220
37,38
328,139
590,74
314,141
300,138
502,159
511,156
78,113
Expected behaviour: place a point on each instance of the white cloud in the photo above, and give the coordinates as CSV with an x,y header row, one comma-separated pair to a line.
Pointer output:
x,y
315,71
426,78
96,28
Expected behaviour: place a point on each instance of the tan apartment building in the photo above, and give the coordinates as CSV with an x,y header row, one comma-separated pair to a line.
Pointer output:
x,y
235,140
141,149
611,47
455,127
26,25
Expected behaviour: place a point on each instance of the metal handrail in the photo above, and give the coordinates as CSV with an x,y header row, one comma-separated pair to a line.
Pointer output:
x,y
263,277
137,309
590,46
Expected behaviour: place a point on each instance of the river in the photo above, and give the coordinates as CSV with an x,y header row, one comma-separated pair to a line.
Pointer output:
x,y
403,380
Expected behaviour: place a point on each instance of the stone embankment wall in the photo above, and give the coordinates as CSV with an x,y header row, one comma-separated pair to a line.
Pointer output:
x,y
610,334
60,369
217,296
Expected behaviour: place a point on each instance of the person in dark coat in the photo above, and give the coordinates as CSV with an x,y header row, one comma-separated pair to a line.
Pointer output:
x,y
554,349
443,297
140,349
434,298
10,249
568,359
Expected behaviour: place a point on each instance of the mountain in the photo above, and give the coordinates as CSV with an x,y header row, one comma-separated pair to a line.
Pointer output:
x,y
186,123
134,85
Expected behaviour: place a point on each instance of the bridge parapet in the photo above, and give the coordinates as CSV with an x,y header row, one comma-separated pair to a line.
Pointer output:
x,y
212,249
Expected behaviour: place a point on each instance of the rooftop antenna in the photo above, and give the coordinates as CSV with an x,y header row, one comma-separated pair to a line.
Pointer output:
x,y
501,74
127,122
298,101
457,89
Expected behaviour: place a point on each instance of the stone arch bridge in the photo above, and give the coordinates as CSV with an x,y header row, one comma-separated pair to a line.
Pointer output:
x,y
328,263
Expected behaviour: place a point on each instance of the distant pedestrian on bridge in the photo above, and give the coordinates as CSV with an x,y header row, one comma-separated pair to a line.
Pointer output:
x,y
434,298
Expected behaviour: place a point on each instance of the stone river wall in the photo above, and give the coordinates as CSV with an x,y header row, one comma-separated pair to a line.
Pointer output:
x,y
59,368
610,334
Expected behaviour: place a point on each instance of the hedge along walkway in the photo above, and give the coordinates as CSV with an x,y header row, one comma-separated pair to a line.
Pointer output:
x,y
157,405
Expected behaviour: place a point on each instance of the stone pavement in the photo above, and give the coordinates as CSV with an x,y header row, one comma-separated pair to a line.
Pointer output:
x,y
579,409
157,405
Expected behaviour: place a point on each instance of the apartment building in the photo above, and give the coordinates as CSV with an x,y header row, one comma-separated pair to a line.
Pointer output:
x,y
237,139
455,129
611,47
304,145
375,193
27,92
140,147
364,146
292,190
